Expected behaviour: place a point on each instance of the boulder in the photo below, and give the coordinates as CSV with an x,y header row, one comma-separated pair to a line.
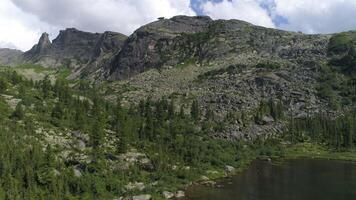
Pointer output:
x,y
135,186
77,172
229,169
167,195
179,194
142,197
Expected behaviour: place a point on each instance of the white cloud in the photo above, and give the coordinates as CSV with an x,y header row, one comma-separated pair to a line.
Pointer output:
x,y
317,16
99,15
309,16
23,21
247,10
17,29
7,45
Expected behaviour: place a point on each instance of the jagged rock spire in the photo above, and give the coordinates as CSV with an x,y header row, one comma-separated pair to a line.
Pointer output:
x,y
43,44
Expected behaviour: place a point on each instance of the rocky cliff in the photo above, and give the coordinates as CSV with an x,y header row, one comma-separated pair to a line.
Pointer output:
x,y
75,49
230,66
168,42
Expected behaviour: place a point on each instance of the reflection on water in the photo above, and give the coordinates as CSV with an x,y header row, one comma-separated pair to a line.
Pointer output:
x,y
302,179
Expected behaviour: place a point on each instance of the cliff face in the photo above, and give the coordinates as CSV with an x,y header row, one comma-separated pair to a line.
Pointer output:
x,y
75,49
147,47
169,42
106,47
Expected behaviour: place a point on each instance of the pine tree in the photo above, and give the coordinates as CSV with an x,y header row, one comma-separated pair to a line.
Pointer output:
x,y
181,112
46,86
3,85
194,110
57,114
122,137
209,114
97,138
171,109
18,113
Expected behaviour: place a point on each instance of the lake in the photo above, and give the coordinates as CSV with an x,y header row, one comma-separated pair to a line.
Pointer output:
x,y
300,179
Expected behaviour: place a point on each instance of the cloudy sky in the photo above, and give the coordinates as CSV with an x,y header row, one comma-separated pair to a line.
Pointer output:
x,y
23,21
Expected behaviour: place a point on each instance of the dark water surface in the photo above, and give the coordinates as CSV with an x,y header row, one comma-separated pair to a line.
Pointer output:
x,y
302,179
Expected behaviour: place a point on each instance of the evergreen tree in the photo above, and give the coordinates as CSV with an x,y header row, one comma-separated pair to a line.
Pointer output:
x,y
181,112
3,85
194,110
171,110
122,136
18,113
57,114
46,86
209,114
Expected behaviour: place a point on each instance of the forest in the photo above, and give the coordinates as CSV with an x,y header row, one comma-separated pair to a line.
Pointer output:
x,y
175,138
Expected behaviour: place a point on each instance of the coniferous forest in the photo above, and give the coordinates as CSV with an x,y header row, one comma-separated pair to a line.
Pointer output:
x,y
174,137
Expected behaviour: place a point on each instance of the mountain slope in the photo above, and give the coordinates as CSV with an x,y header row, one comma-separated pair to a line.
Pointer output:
x,y
230,66
168,42
71,49
10,56
181,100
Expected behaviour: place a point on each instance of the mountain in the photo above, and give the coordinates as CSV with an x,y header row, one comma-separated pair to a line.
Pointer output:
x,y
233,68
9,56
201,39
181,100
230,66
75,49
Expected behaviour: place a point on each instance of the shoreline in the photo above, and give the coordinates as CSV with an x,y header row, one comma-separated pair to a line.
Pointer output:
x,y
297,151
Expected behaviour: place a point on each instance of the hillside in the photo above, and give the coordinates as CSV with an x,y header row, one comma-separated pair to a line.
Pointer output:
x,y
10,56
181,100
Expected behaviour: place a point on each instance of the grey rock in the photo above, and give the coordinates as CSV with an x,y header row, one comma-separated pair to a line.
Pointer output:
x,y
77,172
179,194
229,169
142,197
167,195
81,51
135,186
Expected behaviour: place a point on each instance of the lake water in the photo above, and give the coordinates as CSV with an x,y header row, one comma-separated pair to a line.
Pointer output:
x,y
301,179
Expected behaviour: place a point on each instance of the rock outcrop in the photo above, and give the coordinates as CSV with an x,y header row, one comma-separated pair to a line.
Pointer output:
x,y
150,45
81,51
182,39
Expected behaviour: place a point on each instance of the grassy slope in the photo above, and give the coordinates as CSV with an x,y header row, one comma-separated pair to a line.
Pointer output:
x,y
310,150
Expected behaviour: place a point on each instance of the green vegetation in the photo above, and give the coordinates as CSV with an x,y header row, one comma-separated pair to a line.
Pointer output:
x,y
338,133
312,150
40,161
341,43
230,70
179,152
268,65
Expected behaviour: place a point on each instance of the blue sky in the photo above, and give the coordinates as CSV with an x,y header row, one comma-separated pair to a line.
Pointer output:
x,y
277,20
23,21
195,4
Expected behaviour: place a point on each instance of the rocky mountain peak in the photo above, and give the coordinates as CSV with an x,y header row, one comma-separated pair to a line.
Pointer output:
x,y
44,41
41,48
177,24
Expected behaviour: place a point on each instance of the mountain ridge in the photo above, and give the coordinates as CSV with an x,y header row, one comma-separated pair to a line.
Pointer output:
x,y
228,65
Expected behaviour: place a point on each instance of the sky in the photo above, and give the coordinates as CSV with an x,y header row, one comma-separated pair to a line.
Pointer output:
x,y
23,21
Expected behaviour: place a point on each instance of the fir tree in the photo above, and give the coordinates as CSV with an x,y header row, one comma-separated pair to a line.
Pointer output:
x,y
18,113
194,110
